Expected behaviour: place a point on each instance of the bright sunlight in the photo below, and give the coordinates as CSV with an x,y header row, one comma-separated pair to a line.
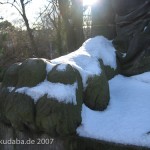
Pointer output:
x,y
89,2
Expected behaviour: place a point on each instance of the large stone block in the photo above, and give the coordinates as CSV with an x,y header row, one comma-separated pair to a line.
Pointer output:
x,y
96,95
11,75
32,71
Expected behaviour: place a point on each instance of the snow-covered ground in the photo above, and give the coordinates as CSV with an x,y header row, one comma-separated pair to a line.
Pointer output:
x,y
127,118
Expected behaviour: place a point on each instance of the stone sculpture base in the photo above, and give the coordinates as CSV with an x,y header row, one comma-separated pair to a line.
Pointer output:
x,y
58,143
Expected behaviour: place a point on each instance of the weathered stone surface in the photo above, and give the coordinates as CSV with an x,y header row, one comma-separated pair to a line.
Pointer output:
x,y
133,36
96,95
18,110
109,71
122,7
31,72
67,76
31,140
64,143
11,75
3,95
57,119
2,71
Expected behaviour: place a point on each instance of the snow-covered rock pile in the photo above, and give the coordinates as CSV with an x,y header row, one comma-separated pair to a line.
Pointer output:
x,y
67,95
48,95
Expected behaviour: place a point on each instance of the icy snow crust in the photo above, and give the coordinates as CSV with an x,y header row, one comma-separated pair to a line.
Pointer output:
x,y
127,118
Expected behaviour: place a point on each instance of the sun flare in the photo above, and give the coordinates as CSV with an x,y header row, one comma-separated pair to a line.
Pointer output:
x,y
89,2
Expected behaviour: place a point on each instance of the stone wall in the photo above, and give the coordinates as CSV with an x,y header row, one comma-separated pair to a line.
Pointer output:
x,y
59,143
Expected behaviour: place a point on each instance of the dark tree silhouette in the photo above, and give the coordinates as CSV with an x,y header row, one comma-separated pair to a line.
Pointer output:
x,y
20,6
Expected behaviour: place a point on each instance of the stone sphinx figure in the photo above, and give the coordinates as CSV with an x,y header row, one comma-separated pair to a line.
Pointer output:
x,y
47,96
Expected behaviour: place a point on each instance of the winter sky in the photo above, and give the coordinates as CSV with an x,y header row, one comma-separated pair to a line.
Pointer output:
x,y
32,9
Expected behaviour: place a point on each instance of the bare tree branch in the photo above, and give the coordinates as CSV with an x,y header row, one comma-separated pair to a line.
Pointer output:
x,y
13,5
42,13
27,2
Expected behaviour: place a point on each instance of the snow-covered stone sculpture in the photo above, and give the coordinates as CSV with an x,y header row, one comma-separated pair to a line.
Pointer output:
x,y
48,95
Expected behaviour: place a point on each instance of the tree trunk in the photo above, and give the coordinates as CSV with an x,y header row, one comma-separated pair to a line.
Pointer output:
x,y
31,37
103,19
77,11
73,24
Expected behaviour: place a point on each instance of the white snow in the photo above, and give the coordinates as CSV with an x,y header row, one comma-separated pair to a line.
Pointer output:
x,y
124,54
145,77
101,48
61,67
49,66
86,58
62,93
10,89
145,28
127,118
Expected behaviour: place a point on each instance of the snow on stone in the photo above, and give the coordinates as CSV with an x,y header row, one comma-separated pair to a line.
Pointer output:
x,y
103,49
59,91
10,89
49,66
145,28
86,58
61,67
126,120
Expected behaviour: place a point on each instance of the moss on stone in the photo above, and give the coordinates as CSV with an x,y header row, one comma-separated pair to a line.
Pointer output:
x,y
3,95
2,72
96,95
31,72
57,118
110,72
11,75
67,76
19,110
